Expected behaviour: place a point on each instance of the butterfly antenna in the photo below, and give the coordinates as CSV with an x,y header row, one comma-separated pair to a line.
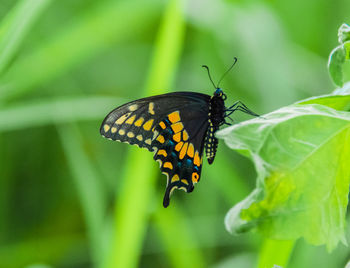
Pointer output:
x,y
229,69
206,67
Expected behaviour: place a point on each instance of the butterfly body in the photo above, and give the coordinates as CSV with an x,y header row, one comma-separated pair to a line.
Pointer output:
x,y
216,118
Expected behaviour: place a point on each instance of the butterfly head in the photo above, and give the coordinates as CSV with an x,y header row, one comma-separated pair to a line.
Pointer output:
x,y
220,93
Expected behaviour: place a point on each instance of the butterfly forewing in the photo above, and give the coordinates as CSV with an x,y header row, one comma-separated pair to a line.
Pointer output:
x,y
131,123
173,126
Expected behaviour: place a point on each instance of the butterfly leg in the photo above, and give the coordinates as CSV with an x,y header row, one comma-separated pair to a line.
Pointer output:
x,y
227,123
233,105
241,107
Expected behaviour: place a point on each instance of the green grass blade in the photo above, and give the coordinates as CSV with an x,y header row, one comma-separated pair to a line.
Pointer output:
x,y
48,249
59,110
91,193
133,203
275,253
180,244
16,26
85,38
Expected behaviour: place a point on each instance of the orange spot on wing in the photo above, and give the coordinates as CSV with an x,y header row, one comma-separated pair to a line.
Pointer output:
x,y
168,165
179,146
183,151
195,177
161,139
162,152
185,135
174,117
177,137
190,150
197,160
162,125
148,124
177,127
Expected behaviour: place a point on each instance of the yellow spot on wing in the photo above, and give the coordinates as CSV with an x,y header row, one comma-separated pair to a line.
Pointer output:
x,y
162,152
162,125
183,151
172,189
139,122
130,120
190,150
174,117
168,165
130,135
139,137
121,119
184,181
106,127
185,135
177,137
179,146
175,178
177,127
148,141
133,107
155,134
161,139
148,124
151,108
113,129
121,132
197,160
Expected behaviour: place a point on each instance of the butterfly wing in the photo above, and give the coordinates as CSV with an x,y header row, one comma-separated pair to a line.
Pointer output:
x,y
173,126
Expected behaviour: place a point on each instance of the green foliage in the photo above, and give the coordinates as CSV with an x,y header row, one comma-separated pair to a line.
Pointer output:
x,y
339,55
300,154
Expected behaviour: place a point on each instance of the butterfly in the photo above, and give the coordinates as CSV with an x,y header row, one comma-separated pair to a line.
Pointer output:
x,y
177,127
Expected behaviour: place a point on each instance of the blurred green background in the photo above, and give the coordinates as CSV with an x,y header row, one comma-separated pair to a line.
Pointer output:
x,y
68,197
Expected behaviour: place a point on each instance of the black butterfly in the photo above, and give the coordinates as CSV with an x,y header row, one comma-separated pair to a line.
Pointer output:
x,y
176,127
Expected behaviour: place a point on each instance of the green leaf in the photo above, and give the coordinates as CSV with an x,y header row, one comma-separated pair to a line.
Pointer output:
x,y
339,99
344,33
301,156
335,64
339,55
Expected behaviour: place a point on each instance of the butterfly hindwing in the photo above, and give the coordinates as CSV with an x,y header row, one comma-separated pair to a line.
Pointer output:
x,y
179,152
173,126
